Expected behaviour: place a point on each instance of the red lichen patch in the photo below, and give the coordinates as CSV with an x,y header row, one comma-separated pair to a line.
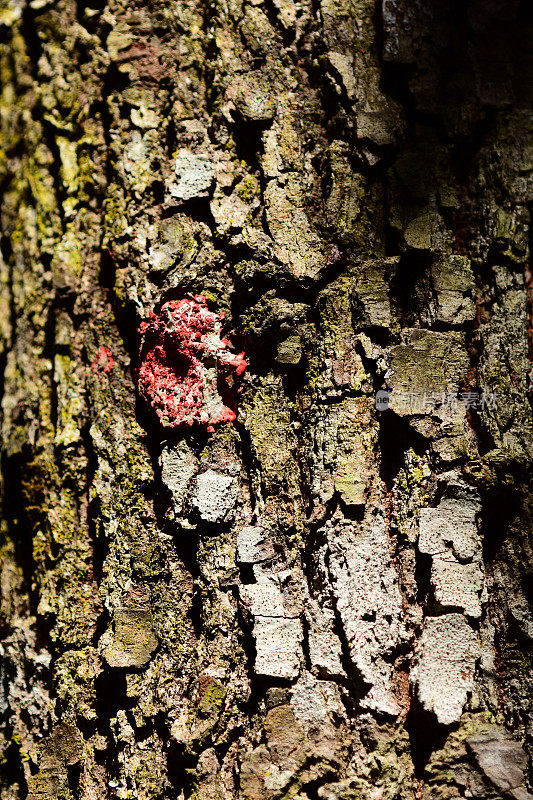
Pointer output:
x,y
186,371
104,361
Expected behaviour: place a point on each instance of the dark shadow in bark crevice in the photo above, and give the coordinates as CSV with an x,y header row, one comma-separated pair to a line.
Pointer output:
x,y
502,507
395,438
425,736
19,526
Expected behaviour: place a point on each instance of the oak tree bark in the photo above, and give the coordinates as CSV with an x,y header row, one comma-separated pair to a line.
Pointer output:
x,y
328,596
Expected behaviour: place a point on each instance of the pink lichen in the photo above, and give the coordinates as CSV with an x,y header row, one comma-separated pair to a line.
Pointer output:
x,y
186,371
104,361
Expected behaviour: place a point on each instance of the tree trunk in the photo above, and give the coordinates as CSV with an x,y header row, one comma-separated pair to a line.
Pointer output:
x,y
307,579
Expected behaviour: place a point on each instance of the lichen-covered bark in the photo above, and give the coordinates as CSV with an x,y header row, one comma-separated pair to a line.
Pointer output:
x,y
328,597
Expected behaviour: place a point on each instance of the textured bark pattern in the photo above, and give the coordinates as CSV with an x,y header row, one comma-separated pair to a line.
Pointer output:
x,y
324,599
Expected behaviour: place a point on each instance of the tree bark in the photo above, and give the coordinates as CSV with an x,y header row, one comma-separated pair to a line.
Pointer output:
x,y
328,596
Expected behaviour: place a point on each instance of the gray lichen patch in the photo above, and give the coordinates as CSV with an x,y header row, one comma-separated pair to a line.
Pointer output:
x,y
443,671
325,649
178,467
317,704
278,644
276,628
254,545
369,604
195,174
449,534
263,601
215,495
458,586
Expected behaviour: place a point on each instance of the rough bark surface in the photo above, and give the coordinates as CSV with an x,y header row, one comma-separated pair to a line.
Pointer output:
x,y
324,599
